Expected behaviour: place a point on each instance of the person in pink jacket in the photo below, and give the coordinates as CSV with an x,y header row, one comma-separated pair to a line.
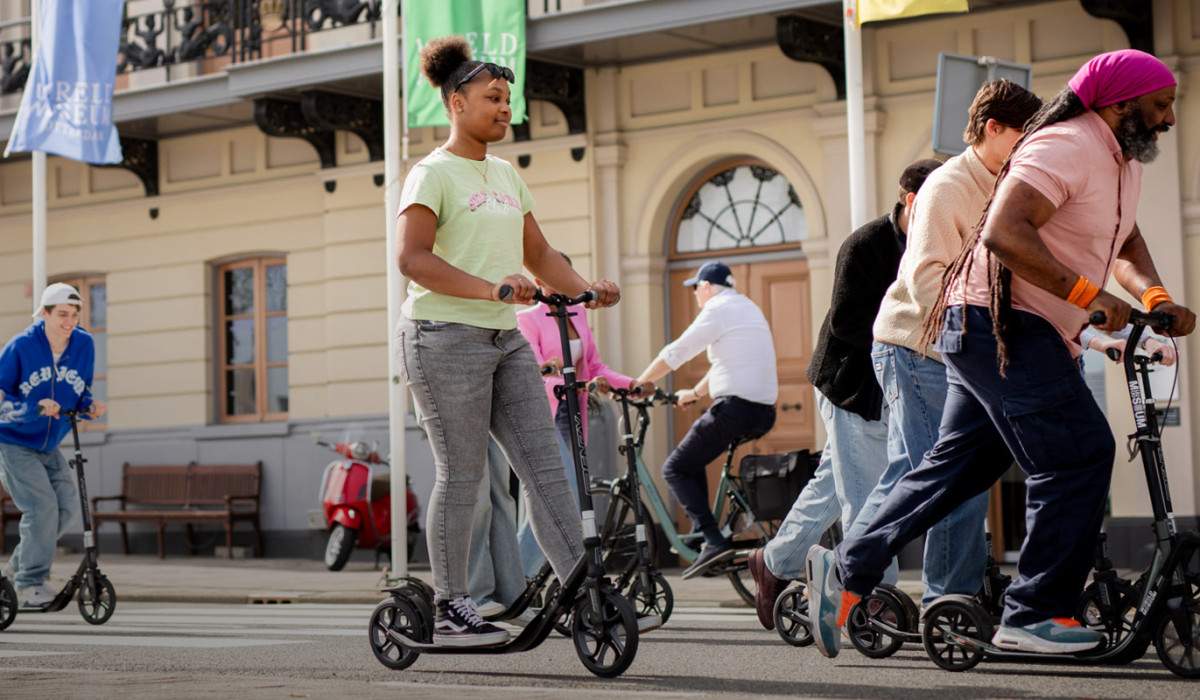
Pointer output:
x,y
542,333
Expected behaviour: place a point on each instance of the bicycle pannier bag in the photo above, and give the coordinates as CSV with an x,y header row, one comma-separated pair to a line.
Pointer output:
x,y
773,482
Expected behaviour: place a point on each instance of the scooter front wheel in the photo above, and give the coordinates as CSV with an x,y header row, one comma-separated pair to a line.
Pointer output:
x,y
659,599
881,606
340,546
606,641
1177,640
396,616
98,601
8,603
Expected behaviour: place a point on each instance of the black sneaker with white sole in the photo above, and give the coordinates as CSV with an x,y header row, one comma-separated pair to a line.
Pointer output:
x,y
458,624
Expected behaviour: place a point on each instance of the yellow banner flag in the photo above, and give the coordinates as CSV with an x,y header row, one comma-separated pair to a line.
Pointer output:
x,y
876,10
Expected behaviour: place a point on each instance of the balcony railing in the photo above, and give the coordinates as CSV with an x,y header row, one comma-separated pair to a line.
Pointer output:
x,y
194,38
187,38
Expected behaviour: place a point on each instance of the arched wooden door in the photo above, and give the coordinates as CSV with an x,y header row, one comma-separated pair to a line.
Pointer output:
x,y
748,216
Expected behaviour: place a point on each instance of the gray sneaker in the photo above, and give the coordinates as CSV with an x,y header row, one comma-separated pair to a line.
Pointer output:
x,y
36,597
10,569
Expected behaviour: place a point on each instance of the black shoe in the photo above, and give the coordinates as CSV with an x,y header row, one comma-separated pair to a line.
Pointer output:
x,y
710,555
457,624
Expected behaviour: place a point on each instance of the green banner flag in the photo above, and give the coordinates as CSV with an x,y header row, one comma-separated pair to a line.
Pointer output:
x,y
496,32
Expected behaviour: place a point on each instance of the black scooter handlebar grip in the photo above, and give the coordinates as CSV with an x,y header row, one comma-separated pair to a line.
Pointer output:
x,y
505,293
1097,318
547,370
1113,353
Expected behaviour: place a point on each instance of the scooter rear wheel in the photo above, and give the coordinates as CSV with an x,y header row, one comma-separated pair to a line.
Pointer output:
x,y
1116,624
791,617
8,603
1179,650
606,641
884,606
396,616
340,546
959,616
97,604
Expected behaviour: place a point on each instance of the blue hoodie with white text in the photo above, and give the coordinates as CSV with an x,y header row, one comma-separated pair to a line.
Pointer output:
x,y
28,374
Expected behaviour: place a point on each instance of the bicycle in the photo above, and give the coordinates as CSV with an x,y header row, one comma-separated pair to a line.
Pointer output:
x,y
731,506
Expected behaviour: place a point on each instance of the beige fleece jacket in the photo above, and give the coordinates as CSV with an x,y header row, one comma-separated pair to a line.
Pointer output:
x,y
944,215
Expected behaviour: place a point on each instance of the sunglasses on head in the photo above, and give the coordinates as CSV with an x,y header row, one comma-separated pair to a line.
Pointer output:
x,y
497,71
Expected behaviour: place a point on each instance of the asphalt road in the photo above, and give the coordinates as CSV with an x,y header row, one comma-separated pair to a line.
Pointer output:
x,y
161,650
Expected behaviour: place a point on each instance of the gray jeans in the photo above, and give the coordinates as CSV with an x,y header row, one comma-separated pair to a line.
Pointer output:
x,y
469,382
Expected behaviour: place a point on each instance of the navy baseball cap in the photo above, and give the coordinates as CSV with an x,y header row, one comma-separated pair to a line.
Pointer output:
x,y
715,272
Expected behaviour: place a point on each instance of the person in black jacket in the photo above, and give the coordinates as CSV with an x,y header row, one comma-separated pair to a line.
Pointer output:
x,y
848,396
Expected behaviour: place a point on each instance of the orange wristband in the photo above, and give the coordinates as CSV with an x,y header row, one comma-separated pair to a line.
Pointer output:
x,y
1083,292
1154,296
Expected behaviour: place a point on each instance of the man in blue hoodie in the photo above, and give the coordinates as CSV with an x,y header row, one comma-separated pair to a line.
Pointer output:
x,y
44,369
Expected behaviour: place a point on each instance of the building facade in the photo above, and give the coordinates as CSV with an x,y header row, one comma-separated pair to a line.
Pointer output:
x,y
234,267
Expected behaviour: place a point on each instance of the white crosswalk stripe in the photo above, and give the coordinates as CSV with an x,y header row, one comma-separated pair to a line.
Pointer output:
x,y
226,626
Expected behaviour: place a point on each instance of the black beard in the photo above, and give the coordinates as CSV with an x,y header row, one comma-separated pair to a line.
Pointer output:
x,y
1137,139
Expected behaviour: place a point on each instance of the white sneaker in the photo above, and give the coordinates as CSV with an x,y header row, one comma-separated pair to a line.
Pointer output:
x,y
36,597
649,623
10,569
524,618
490,608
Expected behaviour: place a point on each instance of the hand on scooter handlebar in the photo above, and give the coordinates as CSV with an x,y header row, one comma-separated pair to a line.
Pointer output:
x,y
51,409
515,289
600,385
1156,320
552,367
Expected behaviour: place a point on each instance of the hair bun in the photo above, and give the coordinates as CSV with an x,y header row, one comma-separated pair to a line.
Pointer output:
x,y
442,56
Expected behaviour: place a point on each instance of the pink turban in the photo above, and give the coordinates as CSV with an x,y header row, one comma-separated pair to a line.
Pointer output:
x,y
1117,76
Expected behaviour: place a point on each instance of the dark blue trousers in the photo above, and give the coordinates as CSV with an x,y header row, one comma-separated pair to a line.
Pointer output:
x,y
1041,414
728,419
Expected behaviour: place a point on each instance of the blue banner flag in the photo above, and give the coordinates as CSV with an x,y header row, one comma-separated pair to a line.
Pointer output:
x,y
66,108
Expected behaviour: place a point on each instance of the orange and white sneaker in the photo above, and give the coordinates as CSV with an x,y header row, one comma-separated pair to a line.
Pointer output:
x,y
828,603
1061,635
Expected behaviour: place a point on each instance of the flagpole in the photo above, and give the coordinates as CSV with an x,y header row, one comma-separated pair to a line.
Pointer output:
x,y
393,115
855,135
39,180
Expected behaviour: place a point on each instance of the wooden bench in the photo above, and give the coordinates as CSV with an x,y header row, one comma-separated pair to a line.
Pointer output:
x,y
190,494
8,514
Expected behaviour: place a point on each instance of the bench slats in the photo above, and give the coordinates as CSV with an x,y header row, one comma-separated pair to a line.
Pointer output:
x,y
193,493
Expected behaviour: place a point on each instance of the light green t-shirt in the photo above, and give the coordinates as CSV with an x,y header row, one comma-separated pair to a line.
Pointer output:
x,y
479,231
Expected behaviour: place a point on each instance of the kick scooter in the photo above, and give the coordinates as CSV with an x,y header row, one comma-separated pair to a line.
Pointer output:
x,y
604,627
958,632
97,598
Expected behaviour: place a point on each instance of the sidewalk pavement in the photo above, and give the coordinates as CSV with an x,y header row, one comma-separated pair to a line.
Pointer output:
x,y
201,579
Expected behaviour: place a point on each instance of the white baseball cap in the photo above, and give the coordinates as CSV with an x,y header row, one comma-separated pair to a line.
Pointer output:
x,y
59,293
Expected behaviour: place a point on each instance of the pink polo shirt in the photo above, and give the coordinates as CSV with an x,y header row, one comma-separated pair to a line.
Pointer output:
x,y
1079,167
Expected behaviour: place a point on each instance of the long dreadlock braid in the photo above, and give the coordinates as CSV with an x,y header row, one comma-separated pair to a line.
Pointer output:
x,y
1065,105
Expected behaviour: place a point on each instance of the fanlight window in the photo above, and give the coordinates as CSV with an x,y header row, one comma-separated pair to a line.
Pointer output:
x,y
746,206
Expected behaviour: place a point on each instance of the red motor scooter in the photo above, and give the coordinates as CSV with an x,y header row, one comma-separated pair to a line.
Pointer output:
x,y
356,498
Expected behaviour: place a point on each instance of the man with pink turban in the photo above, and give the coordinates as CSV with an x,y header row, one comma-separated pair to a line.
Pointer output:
x,y
1060,222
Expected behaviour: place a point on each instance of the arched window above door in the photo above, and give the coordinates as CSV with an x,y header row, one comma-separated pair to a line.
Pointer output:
x,y
739,206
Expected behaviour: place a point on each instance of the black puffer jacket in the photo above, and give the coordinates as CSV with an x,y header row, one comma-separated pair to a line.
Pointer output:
x,y
841,364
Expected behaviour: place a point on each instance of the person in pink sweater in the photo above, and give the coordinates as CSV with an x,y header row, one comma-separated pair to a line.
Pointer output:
x,y
542,333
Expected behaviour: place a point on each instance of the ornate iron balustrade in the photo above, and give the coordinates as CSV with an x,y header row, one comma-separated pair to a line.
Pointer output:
x,y
16,55
184,32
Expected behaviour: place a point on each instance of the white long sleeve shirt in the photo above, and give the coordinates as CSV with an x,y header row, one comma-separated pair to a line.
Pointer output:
x,y
740,348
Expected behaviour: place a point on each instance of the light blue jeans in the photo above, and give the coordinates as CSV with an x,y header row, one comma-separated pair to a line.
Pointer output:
x,y
855,455
469,382
494,572
915,389
531,554
43,488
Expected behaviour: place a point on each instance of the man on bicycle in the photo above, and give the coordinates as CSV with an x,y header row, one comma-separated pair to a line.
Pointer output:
x,y
743,384
1008,326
